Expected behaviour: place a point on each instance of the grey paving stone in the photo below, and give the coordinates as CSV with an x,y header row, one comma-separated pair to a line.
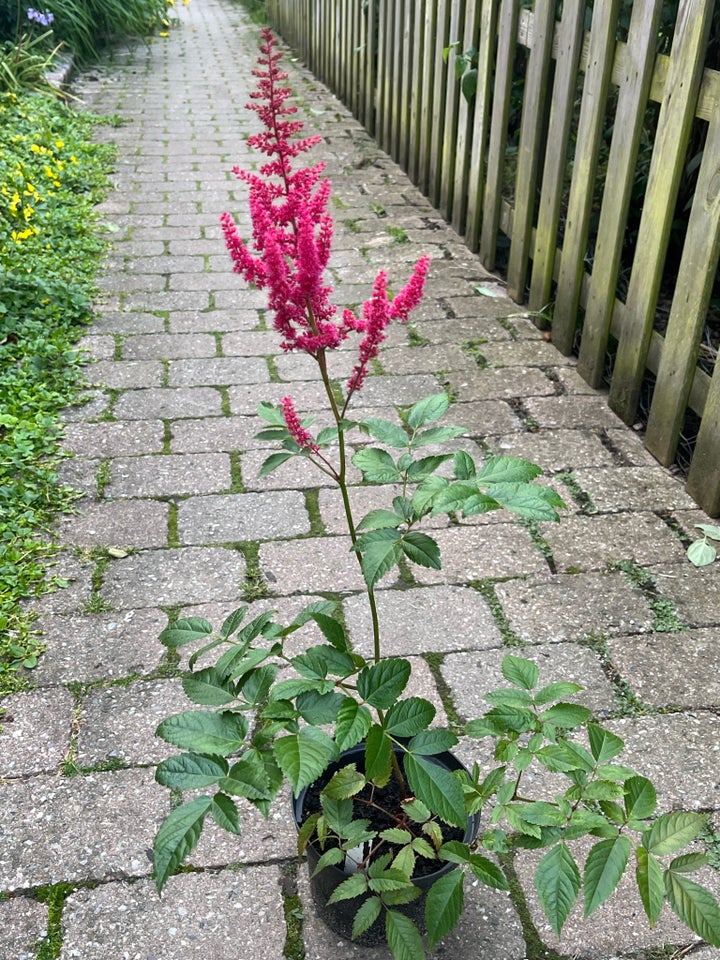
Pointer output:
x,y
573,411
217,434
168,403
566,607
215,321
172,577
471,675
555,449
693,591
35,731
135,523
499,384
97,346
591,543
481,552
89,405
431,359
646,664
127,374
118,439
99,646
310,565
165,346
489,926
48,837
242,516
248,343
432,619
484,417
244,400
297,473
218,371
120,722
70,581
633,488
81,476
300,366
400,390
24,924
126,322
530,353
170,300
199,916
445,330
169,475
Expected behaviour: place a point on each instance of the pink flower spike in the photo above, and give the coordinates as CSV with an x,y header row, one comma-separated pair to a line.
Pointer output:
x,y
299,434
412,293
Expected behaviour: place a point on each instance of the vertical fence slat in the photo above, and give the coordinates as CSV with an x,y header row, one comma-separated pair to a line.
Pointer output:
x,y
570,38
666,168
384,53
696,275
704,477
589,138
481,122
502,90
409,60
397,121
438,100
370,14
632,99
449,144
416,87
428,85
461,176
531,146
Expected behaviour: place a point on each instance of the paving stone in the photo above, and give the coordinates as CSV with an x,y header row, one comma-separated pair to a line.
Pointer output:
x,y
555,449
214,321
570,412
311,565
99,646
127,374
633,488
432,619
218,371
591,543
172,577
47,836
645,663
300,366
505,383
488,926
199,916
471,675
484,417
480,552
445,330
169,475
400,390
430,359
298,473
35,731
135,523
566,607
244,400
166,346
120,722
24,924
126,322
242,516
168,403
218,434
693,591
81,476
119,439
88,405
70,581
97,346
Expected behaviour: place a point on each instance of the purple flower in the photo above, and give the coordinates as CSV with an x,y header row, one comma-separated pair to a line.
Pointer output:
x,y
44,19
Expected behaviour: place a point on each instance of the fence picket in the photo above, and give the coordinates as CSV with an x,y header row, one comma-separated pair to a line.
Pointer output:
x,y
668,161
449,145
704,476
442,38
416,91
465,125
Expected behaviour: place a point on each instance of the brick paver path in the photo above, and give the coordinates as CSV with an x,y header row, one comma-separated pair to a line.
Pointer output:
x,y
175,519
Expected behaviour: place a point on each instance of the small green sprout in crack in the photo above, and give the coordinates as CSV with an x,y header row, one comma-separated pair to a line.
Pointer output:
x,y
581,498
294,946
628,704
507,325
338,202
54,897
236,480
102,478
435,662
398,235
254,586
473,348
378,209
173,534
665,617
486,589
312,505
108,415
351,225
415,339
539,542
272,369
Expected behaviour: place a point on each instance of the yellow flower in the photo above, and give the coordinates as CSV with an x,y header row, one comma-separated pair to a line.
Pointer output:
x,y
59,144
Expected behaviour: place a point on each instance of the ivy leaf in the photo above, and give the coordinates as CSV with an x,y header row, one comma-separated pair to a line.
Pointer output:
x,y
701,553
178,837
557,882
695,906
443,905
604,867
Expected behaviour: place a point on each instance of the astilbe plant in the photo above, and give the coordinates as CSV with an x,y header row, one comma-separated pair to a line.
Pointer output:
x,y
270,724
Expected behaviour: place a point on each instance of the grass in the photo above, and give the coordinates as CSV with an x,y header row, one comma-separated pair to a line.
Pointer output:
x,y
51,177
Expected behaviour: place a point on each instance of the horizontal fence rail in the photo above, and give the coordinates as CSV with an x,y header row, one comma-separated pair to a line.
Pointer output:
x,y
590,140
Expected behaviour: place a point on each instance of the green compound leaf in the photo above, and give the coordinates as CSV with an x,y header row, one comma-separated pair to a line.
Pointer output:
x,y
177,837
376,466
379,550
695,906
640,798
274,461
650,883
603,744
443,905
406,718
185,631
386,432
428,410
421,549
209,687
402,936
203,731
366,916
303,756
248,778
351,724
190,771
437,788
604,867
381,684
672,831
225,813
557,882
354,886
520,672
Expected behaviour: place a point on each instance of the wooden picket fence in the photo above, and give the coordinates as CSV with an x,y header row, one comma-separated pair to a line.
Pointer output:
x,y
388,61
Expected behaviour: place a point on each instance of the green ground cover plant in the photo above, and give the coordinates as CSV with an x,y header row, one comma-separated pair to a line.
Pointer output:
x,y
51,176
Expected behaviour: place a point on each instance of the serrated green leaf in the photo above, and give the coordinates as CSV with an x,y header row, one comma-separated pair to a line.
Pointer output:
x,y
351,724
354,886
640,798
437,435
248,778
232,622
366,916
428,410
185,631
317,662
423,849
507,470
381,684
337,812
421,549
649,879
525,499
695,906
509,698
556,691
402,936
209,687
203,731
604,867
603,790
385,431
274,461
672,831
488,872
306,832
190,771
225,813
511,718
345,782
443,905
603,744
378,750
380,551
520,672
270,413
302,757
420,469
428,743
406,718
376,466
454,852
255,686
380,519
557,882
566,715
688,862
425,494
396,835
437,788
330,858
178,837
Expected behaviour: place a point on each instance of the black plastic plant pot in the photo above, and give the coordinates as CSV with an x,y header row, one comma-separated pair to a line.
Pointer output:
x,y
339,916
